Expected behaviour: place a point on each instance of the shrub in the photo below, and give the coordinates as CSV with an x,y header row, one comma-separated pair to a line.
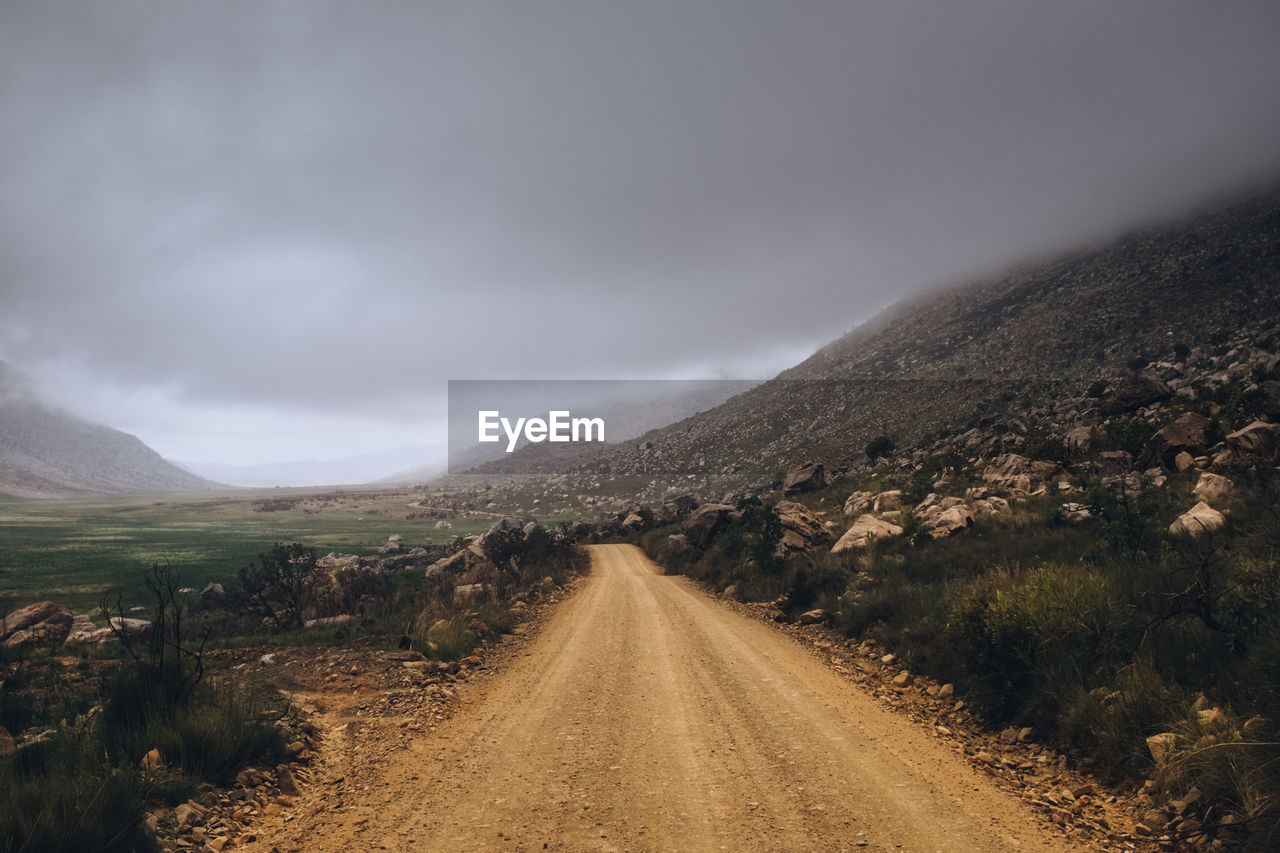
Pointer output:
x,y
60,795
881,445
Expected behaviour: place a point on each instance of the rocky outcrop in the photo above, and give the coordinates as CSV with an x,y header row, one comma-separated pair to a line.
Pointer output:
x,y
1200,519
863,531
41,624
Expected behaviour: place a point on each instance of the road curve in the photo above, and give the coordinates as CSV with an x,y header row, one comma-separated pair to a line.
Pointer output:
x,y
647,716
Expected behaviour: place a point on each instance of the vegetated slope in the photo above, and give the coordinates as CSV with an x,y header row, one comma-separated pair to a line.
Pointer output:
x,y
46,452
938,362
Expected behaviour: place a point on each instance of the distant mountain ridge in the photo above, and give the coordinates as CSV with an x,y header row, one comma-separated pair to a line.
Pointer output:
x,y
47,452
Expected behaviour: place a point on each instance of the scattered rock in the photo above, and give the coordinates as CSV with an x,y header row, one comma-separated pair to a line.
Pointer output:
x,y
813,617
1074,513
1212,487
152,761
863,531
1201,518
1160,746
858,503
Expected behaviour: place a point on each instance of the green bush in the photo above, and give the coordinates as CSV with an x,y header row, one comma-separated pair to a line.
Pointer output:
x,y
1028,640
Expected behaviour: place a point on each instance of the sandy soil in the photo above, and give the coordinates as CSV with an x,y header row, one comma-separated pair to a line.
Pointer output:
x,y
647,716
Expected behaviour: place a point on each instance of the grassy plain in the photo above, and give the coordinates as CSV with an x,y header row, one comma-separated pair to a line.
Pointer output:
x,y
73,550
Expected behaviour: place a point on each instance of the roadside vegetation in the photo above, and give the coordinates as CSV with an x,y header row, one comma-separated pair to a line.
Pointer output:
x,y
111,732
1147,655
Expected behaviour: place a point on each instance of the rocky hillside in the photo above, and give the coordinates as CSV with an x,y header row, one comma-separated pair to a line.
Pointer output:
x,y
938,364
47,452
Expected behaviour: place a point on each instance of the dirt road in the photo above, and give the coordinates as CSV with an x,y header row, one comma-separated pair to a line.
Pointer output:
x,y
647,716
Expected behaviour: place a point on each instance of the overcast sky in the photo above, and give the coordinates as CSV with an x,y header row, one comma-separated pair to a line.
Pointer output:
x,y
251,231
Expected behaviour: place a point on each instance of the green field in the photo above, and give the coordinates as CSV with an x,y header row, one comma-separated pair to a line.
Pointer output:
x,y
73,550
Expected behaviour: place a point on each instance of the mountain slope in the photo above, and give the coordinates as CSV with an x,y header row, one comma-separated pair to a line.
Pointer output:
x,y
1005,343
46,452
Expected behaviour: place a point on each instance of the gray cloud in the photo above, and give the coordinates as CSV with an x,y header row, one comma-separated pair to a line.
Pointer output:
x,y
225,222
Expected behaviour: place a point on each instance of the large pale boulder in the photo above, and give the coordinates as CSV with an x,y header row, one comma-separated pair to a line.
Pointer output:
x,y
1201,518
863,531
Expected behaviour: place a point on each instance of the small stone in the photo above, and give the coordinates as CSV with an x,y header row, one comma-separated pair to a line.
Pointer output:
x,y
902,679
946,691
152,760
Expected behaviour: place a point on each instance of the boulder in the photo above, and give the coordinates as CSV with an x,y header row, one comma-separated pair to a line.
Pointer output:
x,y
801,529
82,630
1134,390
812,617
506,523
1183,461
633,522
41,624
1074,513
340,621
989,505
1189,434
863,531
455,563
443,525
469,592
705,522
887,500
214,593
807,478
1212,487
1257,439
941,522
1078,440
1113,463
858,503
1201,518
